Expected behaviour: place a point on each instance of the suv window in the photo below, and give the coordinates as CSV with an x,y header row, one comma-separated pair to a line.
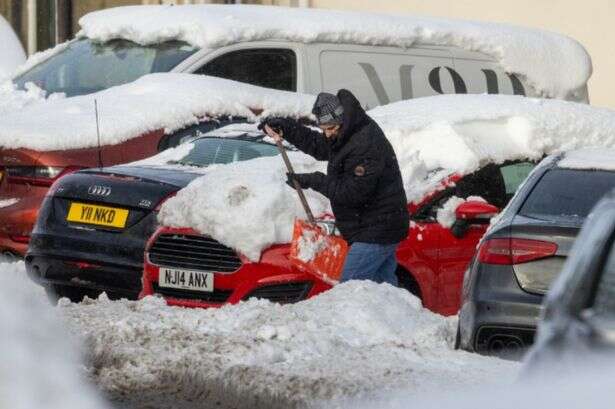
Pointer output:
x,y
85,67
267,67
568,193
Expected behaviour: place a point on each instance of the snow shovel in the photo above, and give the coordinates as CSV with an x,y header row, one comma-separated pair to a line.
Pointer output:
x,y
312,249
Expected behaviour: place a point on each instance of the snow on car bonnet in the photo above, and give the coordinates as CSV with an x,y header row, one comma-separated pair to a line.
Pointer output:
x,y
433,137
552,63
589,158
156,101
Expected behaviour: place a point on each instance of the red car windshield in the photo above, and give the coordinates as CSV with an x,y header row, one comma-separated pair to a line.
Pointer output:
x,y
85,67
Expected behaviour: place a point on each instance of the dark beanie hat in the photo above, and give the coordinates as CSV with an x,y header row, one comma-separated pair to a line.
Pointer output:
x,y
328,109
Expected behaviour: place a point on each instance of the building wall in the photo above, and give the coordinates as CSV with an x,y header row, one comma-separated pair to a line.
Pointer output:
x,y
590,22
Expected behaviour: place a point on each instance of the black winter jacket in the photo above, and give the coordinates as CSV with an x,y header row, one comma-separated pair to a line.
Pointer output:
x,y
363,181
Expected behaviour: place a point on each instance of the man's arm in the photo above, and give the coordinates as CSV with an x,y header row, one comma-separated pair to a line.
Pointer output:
x,y
312,142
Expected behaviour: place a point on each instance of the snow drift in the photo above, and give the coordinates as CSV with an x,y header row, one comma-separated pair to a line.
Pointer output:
x,y
39,367
433,137
156,101
553,64
355,339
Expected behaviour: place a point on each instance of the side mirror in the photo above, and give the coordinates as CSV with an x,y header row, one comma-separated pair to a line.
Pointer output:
x,y
471,211
475,210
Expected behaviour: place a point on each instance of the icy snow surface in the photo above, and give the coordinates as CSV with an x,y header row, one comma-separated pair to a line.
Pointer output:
x,y
433,137
39,365
156,101
11,52
356,339
13,99
555,64
589,158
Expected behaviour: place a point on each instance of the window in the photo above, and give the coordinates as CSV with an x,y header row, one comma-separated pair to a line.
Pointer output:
x,y
267,67
567,193
86,67
209,151
174,139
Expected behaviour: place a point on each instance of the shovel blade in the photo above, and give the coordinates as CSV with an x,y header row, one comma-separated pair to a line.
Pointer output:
x,y
315,252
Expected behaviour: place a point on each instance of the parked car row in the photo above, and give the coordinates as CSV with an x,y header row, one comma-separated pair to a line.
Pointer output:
x,y
489,229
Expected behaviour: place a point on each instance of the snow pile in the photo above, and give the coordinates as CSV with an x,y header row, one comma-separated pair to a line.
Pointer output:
x,y
433,137
589,158
14,100
244,205
446,216
11,51
39,366
156,101
554,64
358,338
436,136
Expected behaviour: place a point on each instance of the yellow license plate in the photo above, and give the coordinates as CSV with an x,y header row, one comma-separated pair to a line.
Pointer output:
x,y
99,215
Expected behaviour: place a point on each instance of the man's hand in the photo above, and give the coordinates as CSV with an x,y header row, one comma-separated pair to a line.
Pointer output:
x,y
306,180
273,134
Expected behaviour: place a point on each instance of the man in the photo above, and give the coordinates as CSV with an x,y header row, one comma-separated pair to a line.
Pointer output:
x,y
363,182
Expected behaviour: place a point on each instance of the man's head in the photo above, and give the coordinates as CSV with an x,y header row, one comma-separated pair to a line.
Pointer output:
x,y
328,111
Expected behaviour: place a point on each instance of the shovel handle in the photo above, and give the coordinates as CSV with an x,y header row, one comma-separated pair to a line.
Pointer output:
x,y
289,167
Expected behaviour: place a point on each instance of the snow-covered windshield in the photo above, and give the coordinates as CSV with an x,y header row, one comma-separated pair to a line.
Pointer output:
x,y
567,193
85,66
210,151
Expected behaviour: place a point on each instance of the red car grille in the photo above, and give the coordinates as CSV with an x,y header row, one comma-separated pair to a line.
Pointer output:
x,y
193,252
217,296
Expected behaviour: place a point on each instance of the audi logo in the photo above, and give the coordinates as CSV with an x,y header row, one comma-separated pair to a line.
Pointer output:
x,y
96,190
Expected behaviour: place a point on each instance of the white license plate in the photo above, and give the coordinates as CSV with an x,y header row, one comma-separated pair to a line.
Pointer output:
x,y
185,279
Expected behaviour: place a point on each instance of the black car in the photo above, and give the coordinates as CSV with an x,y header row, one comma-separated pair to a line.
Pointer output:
x,y
92,228
578,325
523,252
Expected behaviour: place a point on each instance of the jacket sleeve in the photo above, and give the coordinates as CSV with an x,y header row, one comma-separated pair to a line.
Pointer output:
x,y
309,141
357,184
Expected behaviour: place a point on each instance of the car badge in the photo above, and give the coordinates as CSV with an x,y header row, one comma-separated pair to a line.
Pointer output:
x,y
96,190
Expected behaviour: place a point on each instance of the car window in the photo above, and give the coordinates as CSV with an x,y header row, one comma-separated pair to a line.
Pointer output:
x,y
268,67
514,175
210,151
85,66
177,137
567,193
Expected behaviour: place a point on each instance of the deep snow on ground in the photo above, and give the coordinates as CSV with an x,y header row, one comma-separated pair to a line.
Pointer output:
x,y
352,341
557,66
39,359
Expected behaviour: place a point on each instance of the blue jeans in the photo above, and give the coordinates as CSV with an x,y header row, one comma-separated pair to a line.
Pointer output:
x,y
369,261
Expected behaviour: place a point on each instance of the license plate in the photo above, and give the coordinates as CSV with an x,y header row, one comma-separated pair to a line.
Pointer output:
x,y
98,215
186,279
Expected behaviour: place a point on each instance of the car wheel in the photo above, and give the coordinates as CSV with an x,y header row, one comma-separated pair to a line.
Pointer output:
x,y
408,282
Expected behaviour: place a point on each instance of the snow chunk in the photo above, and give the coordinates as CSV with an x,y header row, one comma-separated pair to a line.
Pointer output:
x,y
589,158
156,101
554,64
244,205
39,366
11,52
357,338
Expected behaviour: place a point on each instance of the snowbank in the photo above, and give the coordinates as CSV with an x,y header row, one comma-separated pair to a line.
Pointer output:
x,y
244,205
358,338
552,63
157,101
11,52
39,366
433,137
589,158
14,100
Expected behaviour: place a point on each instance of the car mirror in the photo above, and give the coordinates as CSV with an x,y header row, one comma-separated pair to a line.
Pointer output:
x,y
475,210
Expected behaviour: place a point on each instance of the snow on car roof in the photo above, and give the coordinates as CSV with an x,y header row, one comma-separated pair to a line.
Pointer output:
x,y
554,64
248,207
155,101
589,158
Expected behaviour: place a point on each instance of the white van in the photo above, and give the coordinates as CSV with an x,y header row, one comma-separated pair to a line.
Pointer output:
x,y
380,58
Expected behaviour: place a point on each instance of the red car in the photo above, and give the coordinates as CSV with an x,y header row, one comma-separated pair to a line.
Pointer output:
x,y
432,259
56,137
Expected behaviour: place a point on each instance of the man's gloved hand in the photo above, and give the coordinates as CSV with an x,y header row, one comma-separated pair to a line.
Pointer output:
x,y
306,180
278,124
